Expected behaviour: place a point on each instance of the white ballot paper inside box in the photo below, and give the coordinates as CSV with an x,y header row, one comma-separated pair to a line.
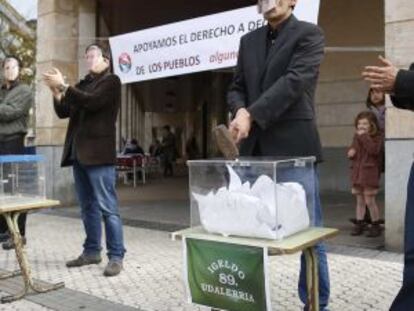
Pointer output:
x,y
263,210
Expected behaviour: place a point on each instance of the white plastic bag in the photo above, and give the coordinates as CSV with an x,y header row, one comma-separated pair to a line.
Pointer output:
x,y
264,210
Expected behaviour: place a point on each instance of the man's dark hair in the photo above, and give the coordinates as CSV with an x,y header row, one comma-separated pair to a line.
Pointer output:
x,y
167,128
9,57
97,46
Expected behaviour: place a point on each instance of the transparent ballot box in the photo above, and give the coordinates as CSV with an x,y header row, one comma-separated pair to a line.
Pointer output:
x,y
22,179
260,198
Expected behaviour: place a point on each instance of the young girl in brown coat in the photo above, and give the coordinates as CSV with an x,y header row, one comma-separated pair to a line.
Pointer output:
x,y
365,154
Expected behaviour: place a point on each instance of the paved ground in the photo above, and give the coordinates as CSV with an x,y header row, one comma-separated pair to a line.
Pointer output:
x,y
362,279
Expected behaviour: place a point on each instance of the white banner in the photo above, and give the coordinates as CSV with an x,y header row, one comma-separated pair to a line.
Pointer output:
x,y
199,44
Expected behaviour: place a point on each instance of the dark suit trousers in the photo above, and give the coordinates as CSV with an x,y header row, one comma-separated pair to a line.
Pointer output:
x,y
405,298
14,146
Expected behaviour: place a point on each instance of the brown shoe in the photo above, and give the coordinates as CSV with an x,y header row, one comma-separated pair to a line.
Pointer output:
x,y
225,143
374,230
84,260
358,228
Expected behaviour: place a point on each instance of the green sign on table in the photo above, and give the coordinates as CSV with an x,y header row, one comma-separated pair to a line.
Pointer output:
x,y
226,276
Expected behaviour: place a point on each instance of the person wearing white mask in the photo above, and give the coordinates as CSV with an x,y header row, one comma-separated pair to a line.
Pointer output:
x,y
92,107
16,99
271,99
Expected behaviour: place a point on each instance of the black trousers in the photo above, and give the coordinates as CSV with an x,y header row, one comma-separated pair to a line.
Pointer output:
x,y
168,161
13,146
405,298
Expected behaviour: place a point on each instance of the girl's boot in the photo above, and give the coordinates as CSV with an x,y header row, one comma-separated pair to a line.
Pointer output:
x,y
375,230
358,228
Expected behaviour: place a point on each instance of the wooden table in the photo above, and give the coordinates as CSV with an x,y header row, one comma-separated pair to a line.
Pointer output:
x,y
303,241
11,212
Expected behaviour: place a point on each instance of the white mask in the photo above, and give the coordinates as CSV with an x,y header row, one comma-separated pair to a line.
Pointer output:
x,y
11,69
94,59
264,6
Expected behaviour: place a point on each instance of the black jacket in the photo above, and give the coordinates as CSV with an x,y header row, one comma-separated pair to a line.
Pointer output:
x,y
278,89
404,89
92,106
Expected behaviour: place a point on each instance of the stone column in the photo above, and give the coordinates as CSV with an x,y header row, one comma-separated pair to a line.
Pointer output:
x,y
353,40
60,24
399,31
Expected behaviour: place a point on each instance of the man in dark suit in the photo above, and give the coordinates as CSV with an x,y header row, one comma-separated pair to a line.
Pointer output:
x,y
400,84
272,101
92,107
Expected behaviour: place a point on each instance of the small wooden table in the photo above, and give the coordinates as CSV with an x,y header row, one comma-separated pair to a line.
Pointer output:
x,y
302,241
11,212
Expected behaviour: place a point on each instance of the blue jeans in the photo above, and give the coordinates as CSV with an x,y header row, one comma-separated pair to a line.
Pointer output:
x,y
324,282
95,189
405,298
310,181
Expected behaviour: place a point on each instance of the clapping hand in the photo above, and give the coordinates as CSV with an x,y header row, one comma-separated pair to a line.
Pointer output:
x,y
383,77
53,78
